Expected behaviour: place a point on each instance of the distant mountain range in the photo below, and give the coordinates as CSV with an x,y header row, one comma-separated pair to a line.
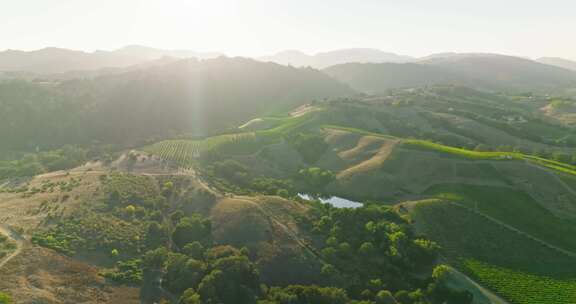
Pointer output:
x,y
486,71
57,60
366,70
326,59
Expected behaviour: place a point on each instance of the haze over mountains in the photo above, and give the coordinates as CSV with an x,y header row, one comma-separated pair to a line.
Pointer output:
x,y
326,59
485,71
185,96
53,60
366,70
58,60
559,62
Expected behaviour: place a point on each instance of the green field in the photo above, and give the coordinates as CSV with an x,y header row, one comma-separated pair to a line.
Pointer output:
x,y
478,155
515,208
511,264
520,286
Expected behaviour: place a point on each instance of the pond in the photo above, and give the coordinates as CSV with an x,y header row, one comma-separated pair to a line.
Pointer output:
x,y
335,201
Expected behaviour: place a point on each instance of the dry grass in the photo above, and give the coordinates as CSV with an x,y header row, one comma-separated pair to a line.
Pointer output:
x,y
26,213
372,163
40,275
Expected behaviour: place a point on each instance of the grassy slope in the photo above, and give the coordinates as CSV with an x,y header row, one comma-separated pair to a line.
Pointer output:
x,y
514,208
511,264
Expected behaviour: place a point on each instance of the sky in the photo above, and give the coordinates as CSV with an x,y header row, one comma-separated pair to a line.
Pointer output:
x,y
529,28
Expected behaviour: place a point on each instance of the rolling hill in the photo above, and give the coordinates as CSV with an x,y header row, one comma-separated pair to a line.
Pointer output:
x,y
483,71
187,96
377,78
504,218
559,62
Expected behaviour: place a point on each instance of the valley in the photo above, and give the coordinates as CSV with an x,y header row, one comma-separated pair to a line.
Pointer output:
x,y
239,188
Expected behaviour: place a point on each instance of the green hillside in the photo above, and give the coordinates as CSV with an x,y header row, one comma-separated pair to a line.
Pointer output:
x,y
512,264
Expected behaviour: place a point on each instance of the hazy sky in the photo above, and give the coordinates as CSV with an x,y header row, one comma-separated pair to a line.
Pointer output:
x,y
530,28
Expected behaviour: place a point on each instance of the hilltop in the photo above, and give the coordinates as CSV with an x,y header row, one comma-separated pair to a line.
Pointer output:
x,y
483,71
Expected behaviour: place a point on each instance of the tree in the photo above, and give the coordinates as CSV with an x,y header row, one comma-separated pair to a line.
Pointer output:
x,y
385,297
155,259
316,178
440,272
233,279
189,297
167,188
155,235
367,248
192,229
194,250
130,210
307,295
114,253
183,273
5,299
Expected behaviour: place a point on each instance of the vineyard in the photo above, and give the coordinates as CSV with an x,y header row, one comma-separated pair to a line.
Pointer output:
x,y
511,264
513,207
186,152
523,288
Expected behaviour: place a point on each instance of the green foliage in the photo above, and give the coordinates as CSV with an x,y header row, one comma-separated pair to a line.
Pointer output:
x,y
189,297
192,229
66,157
315,178
515,208
5,299
155,259
480,248
131,190
298,294
6,246
91,231
310,146
272,186
370,242
182,273
126,272
422,144
194,250
524,288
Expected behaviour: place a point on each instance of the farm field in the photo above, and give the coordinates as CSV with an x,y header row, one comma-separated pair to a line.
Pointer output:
x,y
186,152
513,207
509,263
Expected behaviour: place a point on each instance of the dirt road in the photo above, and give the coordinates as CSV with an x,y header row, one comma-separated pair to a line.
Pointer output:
x,y
12,235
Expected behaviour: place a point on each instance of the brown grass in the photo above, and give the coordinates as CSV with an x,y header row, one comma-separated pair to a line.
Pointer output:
x,y
371,163
40,275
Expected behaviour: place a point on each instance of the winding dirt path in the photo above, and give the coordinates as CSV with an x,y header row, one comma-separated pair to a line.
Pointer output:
x,y
19,240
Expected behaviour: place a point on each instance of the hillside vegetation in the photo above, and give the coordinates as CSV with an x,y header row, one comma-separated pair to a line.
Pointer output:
x,y
197,97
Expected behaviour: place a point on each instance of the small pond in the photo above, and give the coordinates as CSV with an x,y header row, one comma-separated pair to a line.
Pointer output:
x,y
335,201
